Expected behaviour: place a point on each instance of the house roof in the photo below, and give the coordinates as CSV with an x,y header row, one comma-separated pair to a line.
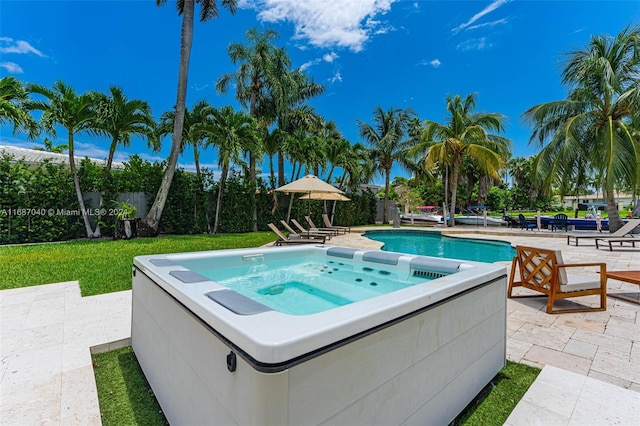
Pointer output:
x,y
32,156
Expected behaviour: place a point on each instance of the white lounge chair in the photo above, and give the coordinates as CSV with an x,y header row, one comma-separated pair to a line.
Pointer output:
x,y
627,229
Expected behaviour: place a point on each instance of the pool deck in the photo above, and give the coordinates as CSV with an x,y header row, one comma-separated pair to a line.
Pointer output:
x,y
590,361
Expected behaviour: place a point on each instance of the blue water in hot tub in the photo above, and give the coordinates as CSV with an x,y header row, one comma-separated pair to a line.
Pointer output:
x,y
308,285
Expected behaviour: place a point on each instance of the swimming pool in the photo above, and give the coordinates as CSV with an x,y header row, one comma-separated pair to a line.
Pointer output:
x,y
434,244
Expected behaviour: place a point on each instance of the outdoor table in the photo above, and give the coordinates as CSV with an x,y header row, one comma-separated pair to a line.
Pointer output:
x,y
632,277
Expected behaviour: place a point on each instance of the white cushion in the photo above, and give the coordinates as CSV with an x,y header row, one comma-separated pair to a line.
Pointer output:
x,y
580,282
562,272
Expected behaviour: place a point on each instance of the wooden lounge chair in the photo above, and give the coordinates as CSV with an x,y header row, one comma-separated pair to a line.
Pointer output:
x,y
328,233
314,228
544,271
623,240
328,224
305,234
283,239
627,229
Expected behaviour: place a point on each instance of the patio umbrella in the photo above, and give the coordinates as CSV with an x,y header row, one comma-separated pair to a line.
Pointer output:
x,y
309,185
325,196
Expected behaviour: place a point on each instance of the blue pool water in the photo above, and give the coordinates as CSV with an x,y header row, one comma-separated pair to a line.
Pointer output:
x,y
434,244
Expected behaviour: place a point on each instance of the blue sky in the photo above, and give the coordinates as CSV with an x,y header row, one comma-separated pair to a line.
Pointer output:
x,y
368,53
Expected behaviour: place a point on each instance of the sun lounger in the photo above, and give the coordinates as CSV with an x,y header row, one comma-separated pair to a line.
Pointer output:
x,y
625,230
304,234
282,239
544,271
314,228
328,233
328,224
611,241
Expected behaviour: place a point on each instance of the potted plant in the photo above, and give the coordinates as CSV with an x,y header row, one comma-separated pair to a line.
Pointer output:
x,y
126,221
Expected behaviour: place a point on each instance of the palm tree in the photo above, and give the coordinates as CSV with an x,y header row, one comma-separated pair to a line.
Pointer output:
x,y
192,130
596,118
208,10
122,118
76,113
385,138
257,65
232,133
464,135
14,99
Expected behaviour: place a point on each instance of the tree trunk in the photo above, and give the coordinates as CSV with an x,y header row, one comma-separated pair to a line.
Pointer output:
x,y
615,222
484,185
454,192
386,195
280,168
196,160
76,184
152,220
252,167
223,179
272,181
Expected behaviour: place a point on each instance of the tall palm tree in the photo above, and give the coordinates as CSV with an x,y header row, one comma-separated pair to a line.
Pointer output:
x,y
257,63
208,10
14,98
385,136
76,113
596,117
466,134
121,119
232,133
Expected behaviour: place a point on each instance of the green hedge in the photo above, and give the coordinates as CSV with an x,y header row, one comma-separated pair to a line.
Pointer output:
x,y
28,195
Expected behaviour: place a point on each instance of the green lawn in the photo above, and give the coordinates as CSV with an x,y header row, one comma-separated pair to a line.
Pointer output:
x,y
103,266
126,398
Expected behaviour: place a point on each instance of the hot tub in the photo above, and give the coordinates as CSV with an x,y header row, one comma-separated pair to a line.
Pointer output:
x,y
316,334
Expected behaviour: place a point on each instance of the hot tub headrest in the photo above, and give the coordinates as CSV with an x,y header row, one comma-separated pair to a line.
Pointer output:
x,y
381,257
430,264
162,262
345,252
188,277
237,303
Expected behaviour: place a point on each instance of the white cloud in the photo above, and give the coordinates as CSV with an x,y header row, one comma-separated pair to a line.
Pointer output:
x,y
9,45
435,63
336,77
11,67
493,6
489,24
326,23
330,57
474,44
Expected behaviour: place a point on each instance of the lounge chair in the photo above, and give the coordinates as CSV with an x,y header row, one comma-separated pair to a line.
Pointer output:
x,y
525,224
625,230
623,240
328,224
328,233
305,234
314,228
283,239
544,271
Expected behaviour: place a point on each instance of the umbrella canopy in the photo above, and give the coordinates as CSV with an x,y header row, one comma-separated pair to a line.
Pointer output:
x,y
309,184
326,196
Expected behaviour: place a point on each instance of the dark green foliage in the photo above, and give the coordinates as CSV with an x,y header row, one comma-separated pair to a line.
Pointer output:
x,y
186,209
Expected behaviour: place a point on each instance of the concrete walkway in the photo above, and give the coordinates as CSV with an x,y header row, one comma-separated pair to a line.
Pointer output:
x,y
591,361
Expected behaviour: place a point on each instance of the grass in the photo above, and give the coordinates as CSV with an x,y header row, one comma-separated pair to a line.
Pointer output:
x,y
123,392
497,400
103,266
126,398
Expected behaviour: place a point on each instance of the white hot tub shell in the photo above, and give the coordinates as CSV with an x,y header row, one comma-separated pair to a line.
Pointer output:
x,y
414,356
